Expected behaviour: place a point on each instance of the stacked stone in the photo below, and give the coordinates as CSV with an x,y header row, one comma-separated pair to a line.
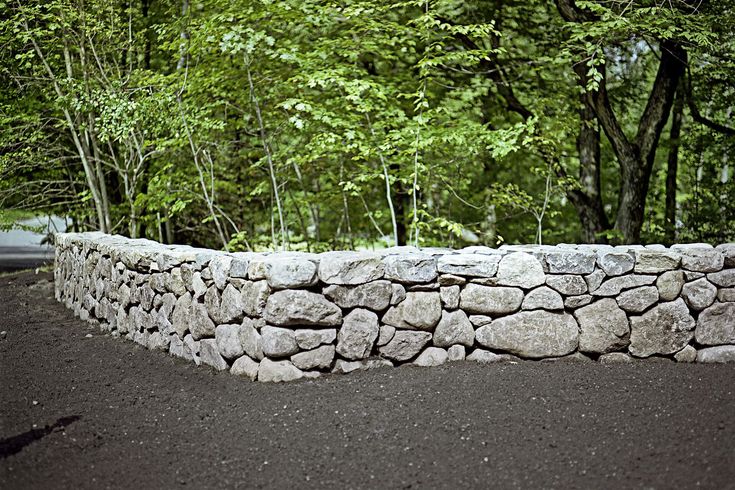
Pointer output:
x,y
284,316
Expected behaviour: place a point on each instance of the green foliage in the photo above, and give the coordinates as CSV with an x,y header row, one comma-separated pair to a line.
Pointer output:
x,y
344,124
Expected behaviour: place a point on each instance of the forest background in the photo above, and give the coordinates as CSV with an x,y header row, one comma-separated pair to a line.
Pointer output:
x,y
315,125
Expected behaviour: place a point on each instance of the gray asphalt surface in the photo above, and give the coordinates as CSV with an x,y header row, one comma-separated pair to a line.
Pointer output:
x,y
98,412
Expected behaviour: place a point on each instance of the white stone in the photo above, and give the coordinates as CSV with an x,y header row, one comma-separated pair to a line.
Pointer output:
x,y
386,334
358,334
542,298
561,261
410,268
290,272
603,327
568,285
699,294
615,263
209,354
456,353
454,328
716,325
228,341
532,334
278,342
251,340
310,339
639,299
449,297
319,358
405,345
520,269
663,330
431,356
245,366
490,300
350,268
300,307
420,310
278,371
467,264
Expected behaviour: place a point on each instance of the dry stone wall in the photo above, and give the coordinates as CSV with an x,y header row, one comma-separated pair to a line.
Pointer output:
x,y
288,315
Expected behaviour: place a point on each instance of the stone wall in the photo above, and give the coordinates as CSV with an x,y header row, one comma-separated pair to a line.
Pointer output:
x,y
287,315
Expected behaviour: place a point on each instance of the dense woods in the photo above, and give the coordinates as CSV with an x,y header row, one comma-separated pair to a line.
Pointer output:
x,y
314,125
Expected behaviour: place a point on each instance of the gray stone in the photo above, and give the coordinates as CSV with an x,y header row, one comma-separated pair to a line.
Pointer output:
x,y
490,300
344,367
350,268
568,285
663,330
431,356
145,297
386,335
420,311
310,339
358,334
723,279
405,345
615,263
719,354
278,342
480,320
574,357
209,354
219,266
669,285
451,280
231,305
594,280
174,282
693,276
300,307
699,294
398,294
319,358
728,250
613,286
228,341
374,295
254,297
278,371
471,265
239,265
639,299
176,347
484,356
716,325
520,269
251,340
158,341
574,302
603,327
542,298
702,259
198,286
290,272
450,297
244,366
200,324
561,261
410,268
454,328
191,349
687,354
532,334
123,296
615,358
726,295
654,261
456,353
257,268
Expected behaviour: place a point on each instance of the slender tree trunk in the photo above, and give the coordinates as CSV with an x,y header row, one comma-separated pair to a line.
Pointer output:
x,y
672,168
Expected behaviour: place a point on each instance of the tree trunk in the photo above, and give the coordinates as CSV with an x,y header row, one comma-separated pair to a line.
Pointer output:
x,y
672,168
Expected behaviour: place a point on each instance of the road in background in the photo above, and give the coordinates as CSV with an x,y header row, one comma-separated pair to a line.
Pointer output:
x,y
26,249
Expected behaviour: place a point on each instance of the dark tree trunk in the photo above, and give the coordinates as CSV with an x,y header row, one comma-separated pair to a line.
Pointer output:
x,y
672,168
